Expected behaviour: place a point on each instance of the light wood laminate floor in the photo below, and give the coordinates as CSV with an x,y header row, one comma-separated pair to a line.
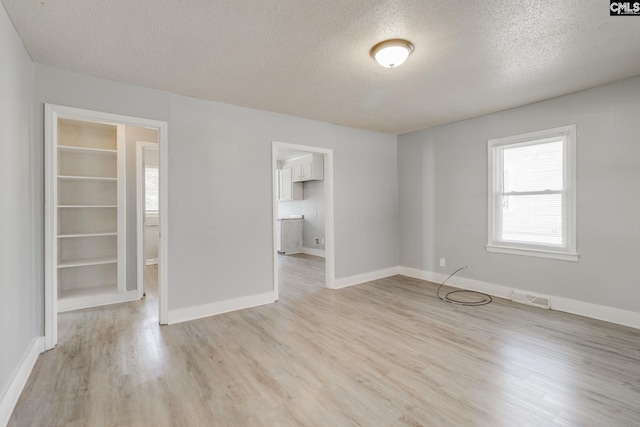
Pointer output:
x,y
384,353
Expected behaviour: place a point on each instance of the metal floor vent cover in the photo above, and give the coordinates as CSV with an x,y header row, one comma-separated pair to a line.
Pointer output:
x,y
534,300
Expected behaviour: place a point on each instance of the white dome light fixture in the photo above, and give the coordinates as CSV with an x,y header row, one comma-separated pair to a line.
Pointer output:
x,y
391,53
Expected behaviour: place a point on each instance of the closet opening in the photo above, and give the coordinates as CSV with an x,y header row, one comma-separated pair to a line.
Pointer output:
x,y
91,238
147,216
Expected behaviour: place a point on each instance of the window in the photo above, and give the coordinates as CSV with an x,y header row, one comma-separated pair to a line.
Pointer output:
x,y
151,190
532,194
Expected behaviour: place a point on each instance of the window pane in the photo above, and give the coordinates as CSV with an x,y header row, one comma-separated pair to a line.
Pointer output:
x,y
532,219
533,167
151,188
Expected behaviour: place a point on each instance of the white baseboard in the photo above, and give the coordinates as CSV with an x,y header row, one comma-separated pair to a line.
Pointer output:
x,y
343,282
219,307
12,392
151,261
595,311
567,305
312,251
608,314
415,273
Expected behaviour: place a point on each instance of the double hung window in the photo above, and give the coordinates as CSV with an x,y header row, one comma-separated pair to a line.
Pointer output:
x,y
532,194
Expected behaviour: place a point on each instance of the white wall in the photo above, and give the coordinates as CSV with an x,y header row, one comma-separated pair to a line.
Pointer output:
x,y
20,310
443,198
220,185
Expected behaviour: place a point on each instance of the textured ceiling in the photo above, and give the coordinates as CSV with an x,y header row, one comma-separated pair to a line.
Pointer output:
x,y
311,58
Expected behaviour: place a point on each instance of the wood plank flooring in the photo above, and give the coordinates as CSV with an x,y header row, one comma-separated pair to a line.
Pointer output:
x,y
384,353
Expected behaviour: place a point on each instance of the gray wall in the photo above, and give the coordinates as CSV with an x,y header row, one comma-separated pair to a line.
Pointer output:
x,y
220,185
312,207
133,134
20,311
442,180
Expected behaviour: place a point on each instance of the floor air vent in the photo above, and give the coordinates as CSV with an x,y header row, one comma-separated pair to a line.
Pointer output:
x,y
534,300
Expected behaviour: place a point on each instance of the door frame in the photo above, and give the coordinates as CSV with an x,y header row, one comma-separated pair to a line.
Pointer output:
x,y
329,249
52,114
141,147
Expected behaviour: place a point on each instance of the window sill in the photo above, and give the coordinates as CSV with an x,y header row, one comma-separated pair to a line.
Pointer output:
x,y
538,253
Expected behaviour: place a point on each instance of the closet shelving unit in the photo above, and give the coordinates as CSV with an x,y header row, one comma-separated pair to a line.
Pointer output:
x,y
90,216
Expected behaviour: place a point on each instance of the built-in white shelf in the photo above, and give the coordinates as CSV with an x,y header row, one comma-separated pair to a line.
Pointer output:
x,y
87,262
71,236
98,290
87,206
89,172
74,299
86,178
86,150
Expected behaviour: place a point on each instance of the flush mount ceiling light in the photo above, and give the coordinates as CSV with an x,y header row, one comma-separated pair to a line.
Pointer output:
x,y
391,53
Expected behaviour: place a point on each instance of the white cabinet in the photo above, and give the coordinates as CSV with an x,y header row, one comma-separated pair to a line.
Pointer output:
x,y
89,217
287,189
309,167
289,235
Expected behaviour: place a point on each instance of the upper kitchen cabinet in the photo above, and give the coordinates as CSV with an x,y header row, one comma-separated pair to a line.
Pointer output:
x,y
287,188
309,167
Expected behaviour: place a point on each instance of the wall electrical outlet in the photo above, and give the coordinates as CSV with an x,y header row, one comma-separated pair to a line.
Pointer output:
x,y
317,241
443,262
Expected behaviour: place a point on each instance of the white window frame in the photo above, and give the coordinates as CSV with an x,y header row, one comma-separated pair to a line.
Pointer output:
x,y
568,250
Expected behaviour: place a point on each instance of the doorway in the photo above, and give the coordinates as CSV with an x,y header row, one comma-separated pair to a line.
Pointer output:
x,y
280,151
85,217
147,212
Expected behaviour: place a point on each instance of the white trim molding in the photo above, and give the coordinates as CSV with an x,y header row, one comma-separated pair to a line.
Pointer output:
x,y
567,305
10,395
537,253
415,273
313,251
122,210
220,307
344,282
